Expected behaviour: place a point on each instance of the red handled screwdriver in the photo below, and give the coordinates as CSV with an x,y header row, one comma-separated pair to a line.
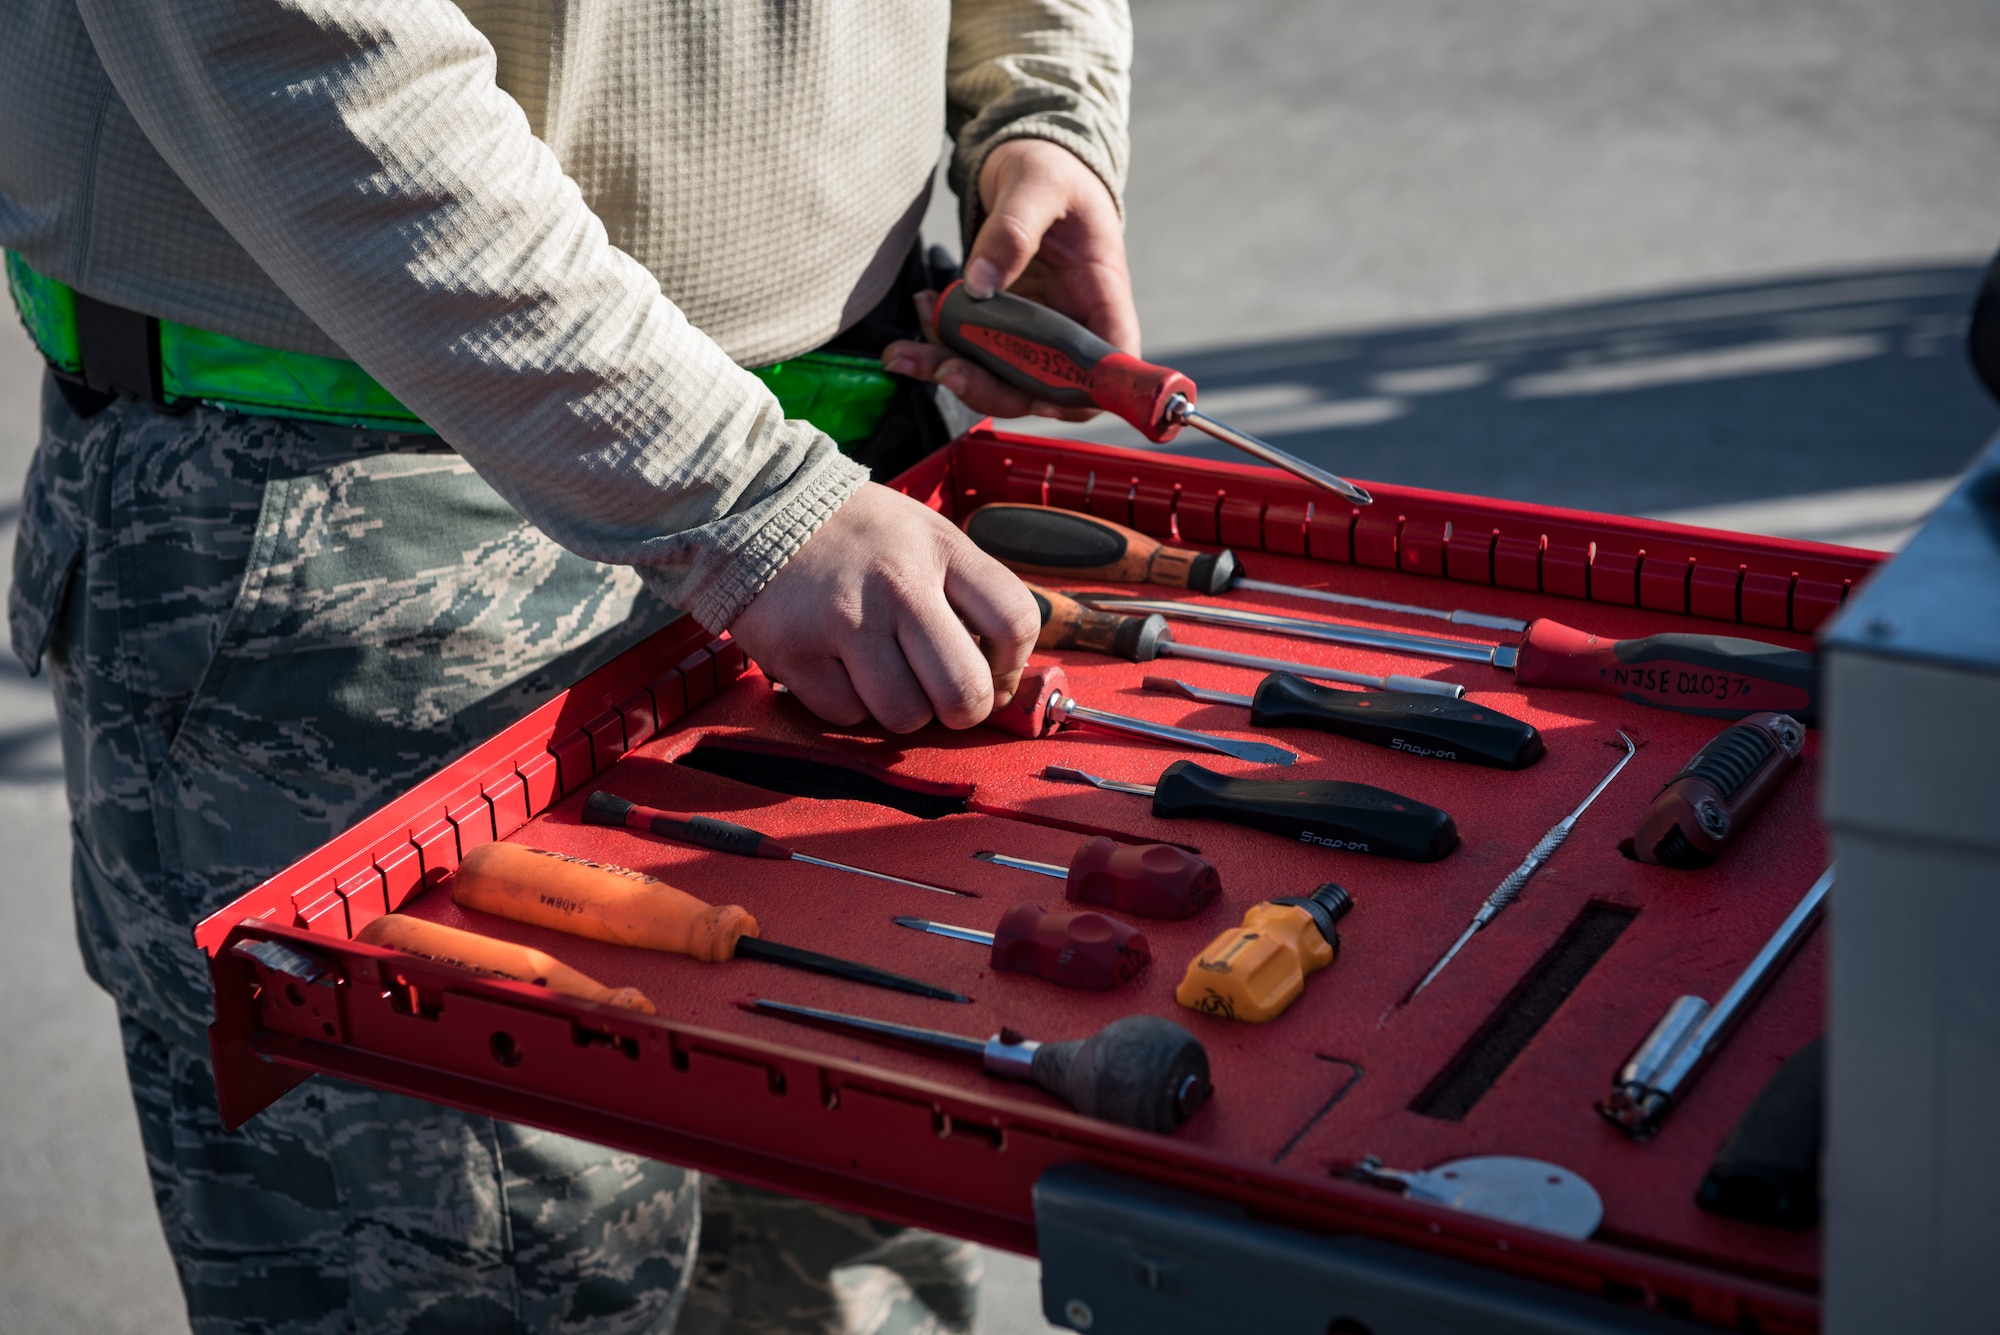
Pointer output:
x,y
1149,880
723,836
1056,359
1086,951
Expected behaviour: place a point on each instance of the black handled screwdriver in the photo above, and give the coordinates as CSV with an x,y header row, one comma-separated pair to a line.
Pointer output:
x,y
1327,813
1058,360
1043,540
1141,1071
1417,725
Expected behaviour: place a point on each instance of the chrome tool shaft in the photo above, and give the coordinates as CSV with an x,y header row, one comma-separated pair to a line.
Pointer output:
x,y
1457,616
1364,637
1063,709
1064,774
1510,889
1201,653
1181,411
880,875
1022,864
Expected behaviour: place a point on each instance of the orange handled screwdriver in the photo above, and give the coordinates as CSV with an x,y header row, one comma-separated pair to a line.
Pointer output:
x,y
1043,540
629,908
496,959
1056,359
1255,970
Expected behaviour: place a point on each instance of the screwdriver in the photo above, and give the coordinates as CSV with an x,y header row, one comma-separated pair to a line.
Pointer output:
x,y
1149,880
1042,705
606,808
1086,951
1043,540
1516,880
1140,1071
1056,359
1256,969
1417,725
1717,676
629,908
1328,813
1068,624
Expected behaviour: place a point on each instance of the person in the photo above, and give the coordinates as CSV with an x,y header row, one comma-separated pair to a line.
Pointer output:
x,y
398,376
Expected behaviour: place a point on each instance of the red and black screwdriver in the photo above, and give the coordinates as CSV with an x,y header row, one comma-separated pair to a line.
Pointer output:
x,y
605,808
1056,359
1086,951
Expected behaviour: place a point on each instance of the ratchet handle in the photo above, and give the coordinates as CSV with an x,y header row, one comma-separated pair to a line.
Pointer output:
x,y
1417,725
1147,880
1068,624
1716,676
1057,360
1086,951
1042,540
1327,813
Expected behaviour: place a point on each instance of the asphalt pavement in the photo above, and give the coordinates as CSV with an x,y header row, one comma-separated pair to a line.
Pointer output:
x,y
1683,257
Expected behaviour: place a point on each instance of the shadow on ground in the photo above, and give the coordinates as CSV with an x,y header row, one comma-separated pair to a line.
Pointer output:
x,y
1667,401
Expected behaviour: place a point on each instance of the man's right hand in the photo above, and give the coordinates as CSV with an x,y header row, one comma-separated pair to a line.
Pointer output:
x,y
877,613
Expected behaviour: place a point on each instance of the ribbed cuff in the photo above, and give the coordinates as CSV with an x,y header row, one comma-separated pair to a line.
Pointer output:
x,y
717,595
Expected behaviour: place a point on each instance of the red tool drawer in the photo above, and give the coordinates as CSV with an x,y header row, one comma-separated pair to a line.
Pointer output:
x,y
684,723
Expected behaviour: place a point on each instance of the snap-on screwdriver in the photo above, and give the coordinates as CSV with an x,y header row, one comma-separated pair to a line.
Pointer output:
x,y
1516,880
629,908
1042,705
1043,540
1058,360
1717,676
1149,880
1258,968
1068,624
1086,950
1327,813
1140,1071
1417,725
607,808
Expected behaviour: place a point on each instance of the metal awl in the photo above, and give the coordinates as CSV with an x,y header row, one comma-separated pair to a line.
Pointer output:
x,y
1510,889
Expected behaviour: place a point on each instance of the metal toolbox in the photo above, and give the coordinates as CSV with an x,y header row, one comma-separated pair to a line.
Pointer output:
x,y
1500,1056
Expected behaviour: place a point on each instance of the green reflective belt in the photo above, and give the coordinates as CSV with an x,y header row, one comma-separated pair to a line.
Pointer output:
x,y
843,396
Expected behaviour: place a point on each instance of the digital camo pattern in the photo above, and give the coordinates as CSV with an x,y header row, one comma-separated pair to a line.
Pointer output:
x,y
258,631
342,1210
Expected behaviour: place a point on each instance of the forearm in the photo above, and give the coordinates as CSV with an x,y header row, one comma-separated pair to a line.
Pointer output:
x,y
1049,69
364,156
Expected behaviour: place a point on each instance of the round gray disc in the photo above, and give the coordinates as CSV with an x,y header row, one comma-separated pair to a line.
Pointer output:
x,y
1528,1192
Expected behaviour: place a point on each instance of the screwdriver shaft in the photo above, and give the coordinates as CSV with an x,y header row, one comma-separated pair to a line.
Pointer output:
x,y
978,938
1258,752
1180,410
881,876
1365,637
1022,864
1457,616
1202,653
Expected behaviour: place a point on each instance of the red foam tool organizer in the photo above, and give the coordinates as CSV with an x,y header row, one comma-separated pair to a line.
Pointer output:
x,y
682,722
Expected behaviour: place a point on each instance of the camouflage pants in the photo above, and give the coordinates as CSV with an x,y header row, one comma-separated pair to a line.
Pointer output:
x,y
258,632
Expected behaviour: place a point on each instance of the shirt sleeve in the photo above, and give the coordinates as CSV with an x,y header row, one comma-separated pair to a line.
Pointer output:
x,y
1059,70
363,154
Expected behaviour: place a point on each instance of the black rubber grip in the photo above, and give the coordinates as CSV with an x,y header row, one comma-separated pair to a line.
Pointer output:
x,y
1024,343
1353,817
1418,725
1768,1171
1141,1071
1019,535
707,832
1721,676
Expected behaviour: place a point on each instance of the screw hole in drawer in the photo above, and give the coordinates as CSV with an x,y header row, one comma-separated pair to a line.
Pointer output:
x,y
505,1050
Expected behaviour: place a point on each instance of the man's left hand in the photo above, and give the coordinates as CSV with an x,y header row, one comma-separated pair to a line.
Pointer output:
x,y
1052,234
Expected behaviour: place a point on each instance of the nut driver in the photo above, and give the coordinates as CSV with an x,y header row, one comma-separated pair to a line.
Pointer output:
x,y
1510,889
1086,950
1148,880
1416,725
1056,359
1042,705
1717,676
1043,540
721,836
1140,1071
1068,624
1327,813
1688,1036
1530,1192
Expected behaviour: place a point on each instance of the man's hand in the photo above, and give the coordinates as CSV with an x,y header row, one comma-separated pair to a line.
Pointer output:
x,y
1052,234
876,616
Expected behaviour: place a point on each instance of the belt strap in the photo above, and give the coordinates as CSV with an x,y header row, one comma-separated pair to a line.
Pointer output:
x,y
109,348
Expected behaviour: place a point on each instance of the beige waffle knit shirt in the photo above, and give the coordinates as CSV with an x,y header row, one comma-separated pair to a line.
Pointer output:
x,y
556,229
